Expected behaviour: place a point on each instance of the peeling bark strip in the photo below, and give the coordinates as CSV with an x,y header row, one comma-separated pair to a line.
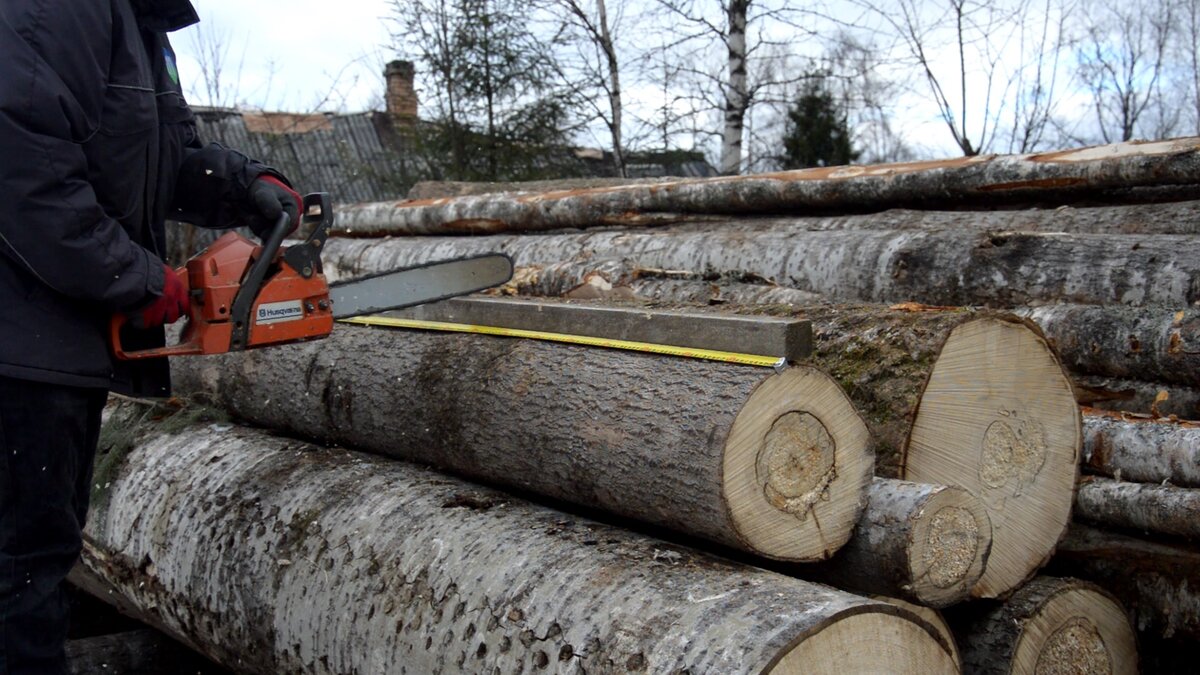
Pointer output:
x,y
775,464
1147,507
1137,396
1128,217
937,267
1050,625
281,557
1159,583
927,543
1052,178
1142,450
1161,344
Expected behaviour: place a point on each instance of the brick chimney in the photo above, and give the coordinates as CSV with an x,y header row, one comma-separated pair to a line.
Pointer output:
x,y
401,97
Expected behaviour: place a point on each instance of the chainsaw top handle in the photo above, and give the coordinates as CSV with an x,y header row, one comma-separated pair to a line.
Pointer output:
x,y
243,302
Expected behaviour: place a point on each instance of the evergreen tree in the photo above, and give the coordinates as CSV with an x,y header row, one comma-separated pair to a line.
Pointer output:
x,y
497,110
816,133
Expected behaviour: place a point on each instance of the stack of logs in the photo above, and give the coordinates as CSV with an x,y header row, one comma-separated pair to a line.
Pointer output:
x,y
983,328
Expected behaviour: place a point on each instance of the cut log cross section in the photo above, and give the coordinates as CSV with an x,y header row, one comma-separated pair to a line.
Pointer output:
x,y
1051,626
998,418
927,543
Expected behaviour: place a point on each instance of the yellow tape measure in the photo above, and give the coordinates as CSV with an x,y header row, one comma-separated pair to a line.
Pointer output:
x,y
687,352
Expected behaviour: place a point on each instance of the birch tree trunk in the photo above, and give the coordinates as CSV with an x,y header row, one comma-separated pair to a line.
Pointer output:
x,y
276,556
1052,179
1050,625
775,464
737,95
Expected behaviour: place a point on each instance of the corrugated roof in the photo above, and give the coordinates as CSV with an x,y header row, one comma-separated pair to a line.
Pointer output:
x,y
339,154
358,158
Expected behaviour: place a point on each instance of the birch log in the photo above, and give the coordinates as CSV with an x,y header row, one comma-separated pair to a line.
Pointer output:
x,y
1158,582
775,464
1146,507
1140,449
1181,216
276,556
1082,174
1050,625
1137,396
938,267
927,543
1151,343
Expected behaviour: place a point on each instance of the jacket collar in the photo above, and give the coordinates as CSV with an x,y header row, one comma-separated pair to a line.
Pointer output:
x,y
165,16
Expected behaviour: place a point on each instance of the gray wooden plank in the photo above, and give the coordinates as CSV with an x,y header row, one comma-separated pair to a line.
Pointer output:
x,y
764,336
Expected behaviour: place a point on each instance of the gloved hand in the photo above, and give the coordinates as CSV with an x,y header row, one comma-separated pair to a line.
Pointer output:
x,y
172,304
270,197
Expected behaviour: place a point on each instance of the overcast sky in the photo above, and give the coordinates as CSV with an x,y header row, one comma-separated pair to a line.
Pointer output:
x,y
308,55
293,53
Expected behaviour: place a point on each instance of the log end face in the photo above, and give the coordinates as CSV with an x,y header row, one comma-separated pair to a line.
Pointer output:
x,y
869,642
1074,628
950,548
797,463
998,418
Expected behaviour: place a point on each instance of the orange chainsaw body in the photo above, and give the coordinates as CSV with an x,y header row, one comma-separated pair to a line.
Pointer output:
x,y
284,304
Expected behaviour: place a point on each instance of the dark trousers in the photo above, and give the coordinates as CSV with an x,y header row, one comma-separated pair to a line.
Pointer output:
x,y
48,436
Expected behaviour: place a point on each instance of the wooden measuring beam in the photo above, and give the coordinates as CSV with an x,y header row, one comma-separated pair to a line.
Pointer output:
x,y
766,336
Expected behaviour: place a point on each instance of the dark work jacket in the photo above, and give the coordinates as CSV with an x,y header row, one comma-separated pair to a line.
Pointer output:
x,y
97,149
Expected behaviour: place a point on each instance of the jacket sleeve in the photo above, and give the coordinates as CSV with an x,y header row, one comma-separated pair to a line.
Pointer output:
x,y
52,88
212,185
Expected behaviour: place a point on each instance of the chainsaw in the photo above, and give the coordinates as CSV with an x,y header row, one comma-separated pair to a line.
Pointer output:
x,y
245,296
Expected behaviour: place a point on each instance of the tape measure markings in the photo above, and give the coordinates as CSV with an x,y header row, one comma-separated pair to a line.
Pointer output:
x,y
667,350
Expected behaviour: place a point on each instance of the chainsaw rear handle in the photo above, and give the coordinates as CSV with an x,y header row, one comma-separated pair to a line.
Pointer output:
x,y
190,342
186,344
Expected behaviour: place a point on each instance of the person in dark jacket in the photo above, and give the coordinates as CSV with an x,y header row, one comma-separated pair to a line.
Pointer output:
x,y
97,149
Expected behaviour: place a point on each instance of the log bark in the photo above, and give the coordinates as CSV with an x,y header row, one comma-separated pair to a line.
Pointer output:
x,y
926,543
1050,178
1137,396
1051,625
1147,507
279,556
775,464
1141,449
937,267
1151,343
1158,582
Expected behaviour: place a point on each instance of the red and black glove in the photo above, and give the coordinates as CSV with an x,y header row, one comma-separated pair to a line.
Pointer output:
x,y
172,304
270,197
